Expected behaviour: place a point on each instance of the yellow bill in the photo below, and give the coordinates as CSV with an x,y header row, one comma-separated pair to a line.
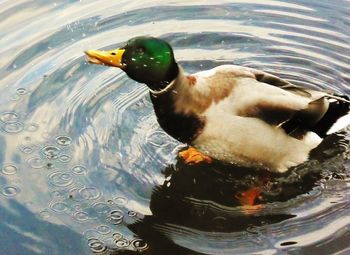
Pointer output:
x,y
108,58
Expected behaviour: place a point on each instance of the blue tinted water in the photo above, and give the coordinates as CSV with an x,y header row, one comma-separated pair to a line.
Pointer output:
x,y
84,166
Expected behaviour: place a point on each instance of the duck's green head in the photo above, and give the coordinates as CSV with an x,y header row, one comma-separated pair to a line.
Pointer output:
x,y
144,59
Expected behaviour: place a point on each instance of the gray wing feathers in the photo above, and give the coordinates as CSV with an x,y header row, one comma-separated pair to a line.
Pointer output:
x,y
283,84
308,117
299,121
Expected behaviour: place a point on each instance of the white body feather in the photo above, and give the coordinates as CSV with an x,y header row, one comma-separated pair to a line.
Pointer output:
x,y
220,96
342,123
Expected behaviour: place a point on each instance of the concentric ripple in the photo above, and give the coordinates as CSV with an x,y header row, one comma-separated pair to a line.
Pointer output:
x,y
82,143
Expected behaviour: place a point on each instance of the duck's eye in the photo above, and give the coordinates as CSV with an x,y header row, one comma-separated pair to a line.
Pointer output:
x,y
113,53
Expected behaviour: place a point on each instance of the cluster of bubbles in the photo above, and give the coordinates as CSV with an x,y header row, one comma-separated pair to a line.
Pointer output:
x,y
115,242
9,191
69,196
10,123
84,203
103,238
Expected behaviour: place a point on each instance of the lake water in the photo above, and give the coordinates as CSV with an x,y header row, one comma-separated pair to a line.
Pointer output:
x,y
85,168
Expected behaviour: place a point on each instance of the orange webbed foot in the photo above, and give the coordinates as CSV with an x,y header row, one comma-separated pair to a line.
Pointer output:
x,y
247,200
192,156
249,196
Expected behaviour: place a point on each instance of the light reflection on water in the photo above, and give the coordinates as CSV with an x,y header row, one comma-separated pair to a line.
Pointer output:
x,y
83,157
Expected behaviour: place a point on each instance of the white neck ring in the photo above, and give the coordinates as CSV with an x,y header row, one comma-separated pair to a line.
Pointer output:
x,y
162,91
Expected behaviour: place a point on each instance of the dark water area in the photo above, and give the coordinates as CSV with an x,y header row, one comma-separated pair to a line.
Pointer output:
x,y
86,169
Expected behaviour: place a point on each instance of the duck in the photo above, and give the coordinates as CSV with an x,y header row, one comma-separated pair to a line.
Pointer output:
x,y
234,114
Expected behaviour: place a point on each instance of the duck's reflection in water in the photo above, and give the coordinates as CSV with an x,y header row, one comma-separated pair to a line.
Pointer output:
x,y
215,200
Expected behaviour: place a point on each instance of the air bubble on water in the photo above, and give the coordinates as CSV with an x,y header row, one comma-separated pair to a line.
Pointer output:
x,y
77,207
120,200
59,207
132,213
96,246
81,216
13,127
252,230
56,194
103,229
122,243
116,217
21,91
63,140
61,179
9,117
117,236
90,193
64,158
44,214
26,149
9,169
110,202
79,169
74,194
139,244
101,208
36,162
51,152
10,191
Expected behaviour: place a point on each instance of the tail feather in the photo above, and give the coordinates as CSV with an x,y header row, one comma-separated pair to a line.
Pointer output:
x,y
344,99
340,124
336,118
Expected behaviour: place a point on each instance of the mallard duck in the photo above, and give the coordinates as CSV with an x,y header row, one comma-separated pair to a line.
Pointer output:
x,y
230,113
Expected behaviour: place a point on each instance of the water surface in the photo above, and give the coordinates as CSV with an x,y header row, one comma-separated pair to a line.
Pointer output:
x,y
85,168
